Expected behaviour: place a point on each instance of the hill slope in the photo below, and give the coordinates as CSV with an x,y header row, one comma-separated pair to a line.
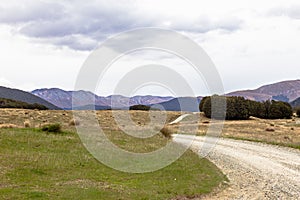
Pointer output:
x,y
19,95
8,103
284,91
296,103
190,104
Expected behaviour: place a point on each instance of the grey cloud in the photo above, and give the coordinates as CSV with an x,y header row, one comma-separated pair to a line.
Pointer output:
x,y
204,24
31,12
75,23
292,11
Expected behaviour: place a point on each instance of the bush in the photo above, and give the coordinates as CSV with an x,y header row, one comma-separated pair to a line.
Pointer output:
x,y
298,112
167,132
140,107
53,128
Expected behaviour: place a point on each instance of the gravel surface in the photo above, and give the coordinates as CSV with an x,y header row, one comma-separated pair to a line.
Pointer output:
x,y
255,170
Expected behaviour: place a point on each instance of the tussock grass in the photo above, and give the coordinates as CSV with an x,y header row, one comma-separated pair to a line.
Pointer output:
x,y
74,122
52,128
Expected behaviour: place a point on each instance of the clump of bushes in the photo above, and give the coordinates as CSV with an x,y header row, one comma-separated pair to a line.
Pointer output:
x,y
53,128
140,107
238,108
298,112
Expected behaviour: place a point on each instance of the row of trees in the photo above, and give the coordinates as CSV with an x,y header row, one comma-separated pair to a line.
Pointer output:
x,y
9,103
233,108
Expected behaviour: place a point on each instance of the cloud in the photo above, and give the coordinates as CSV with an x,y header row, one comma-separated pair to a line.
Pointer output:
x,y
292,11
81,26
31,11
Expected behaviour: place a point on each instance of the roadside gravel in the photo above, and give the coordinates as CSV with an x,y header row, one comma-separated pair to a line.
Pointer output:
x,y
255,170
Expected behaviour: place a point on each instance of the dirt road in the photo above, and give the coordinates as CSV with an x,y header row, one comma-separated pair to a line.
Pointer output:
x,y
255,170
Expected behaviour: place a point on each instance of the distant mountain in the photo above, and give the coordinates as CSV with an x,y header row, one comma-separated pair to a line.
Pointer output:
x,y
19,95
63,99
286,91
296,103
190,104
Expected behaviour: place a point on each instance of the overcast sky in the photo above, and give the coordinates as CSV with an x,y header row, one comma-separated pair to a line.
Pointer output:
x,y
44,43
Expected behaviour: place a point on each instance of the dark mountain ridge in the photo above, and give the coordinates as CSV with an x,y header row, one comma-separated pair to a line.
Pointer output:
x,y
19,95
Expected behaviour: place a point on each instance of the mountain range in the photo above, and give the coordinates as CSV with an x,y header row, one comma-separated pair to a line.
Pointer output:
x,y
55,98
63,99
286,91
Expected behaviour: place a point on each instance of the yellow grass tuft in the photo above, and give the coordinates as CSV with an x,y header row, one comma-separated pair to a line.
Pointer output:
x,y
167,132
74,122
27,124
8,126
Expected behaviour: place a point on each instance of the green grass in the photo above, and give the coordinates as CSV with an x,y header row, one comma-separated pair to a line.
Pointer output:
x,y
39,165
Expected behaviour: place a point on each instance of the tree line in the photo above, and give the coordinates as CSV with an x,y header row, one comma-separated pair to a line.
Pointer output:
x,y
239,108
9,103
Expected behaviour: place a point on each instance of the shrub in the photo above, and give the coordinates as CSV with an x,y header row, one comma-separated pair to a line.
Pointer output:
x,y
298,112
140,107
167,132
53,128
74,122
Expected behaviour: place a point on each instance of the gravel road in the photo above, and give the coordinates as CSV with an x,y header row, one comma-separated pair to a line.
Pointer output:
x,y
255,170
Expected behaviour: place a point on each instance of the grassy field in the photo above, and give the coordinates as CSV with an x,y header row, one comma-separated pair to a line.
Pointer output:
x,y
285,132
40,165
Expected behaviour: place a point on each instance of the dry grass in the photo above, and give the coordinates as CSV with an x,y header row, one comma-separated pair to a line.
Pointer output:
x,y
8,126
27,124
286,131
74,122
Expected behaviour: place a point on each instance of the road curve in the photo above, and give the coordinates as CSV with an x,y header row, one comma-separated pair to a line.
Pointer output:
x,y
255,170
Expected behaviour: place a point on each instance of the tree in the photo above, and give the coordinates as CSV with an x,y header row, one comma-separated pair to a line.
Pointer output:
x,y
202,103
280,110
238,108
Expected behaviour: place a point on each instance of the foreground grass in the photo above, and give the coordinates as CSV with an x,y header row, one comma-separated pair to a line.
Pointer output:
x,y
37,165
